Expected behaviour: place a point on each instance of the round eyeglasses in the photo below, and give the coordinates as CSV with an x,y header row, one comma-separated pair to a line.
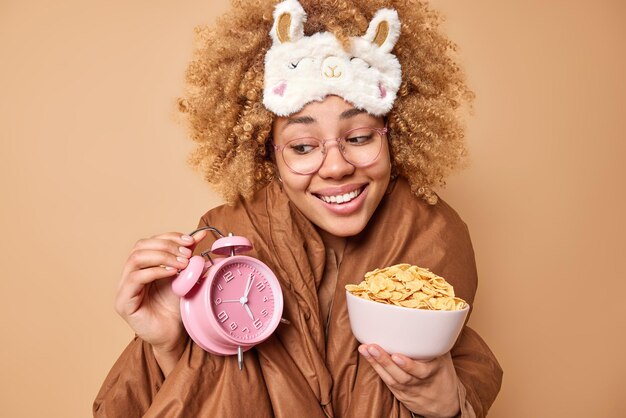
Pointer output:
x,y
360,147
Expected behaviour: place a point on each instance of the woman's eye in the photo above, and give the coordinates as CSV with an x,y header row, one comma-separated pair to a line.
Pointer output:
x,y
302,148
359,140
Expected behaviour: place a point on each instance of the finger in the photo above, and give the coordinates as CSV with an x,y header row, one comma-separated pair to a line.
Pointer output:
x,y
381,362
178,239
420,369
164,244
197,238
182,242
131,291
402,369
173,243
141,259
175,236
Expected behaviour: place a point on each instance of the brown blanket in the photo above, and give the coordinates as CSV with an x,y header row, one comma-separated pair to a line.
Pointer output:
x,y
299,371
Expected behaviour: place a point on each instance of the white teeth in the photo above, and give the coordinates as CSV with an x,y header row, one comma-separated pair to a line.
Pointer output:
x,y
342,198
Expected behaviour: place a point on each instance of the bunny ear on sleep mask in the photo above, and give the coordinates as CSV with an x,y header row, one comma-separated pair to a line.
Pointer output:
x,y
300,69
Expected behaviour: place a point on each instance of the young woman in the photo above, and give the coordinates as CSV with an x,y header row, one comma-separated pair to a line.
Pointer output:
x,y
325,125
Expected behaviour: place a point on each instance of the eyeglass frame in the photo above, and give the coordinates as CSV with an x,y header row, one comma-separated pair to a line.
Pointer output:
x,y
381,131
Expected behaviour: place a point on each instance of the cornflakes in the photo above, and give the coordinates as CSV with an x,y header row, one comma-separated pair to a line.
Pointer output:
x,y
408,286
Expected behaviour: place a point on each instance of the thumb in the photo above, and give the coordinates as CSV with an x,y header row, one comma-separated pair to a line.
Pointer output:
x,y
197,239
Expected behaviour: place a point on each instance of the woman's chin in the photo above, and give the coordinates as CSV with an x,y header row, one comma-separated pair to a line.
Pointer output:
x,y
344,228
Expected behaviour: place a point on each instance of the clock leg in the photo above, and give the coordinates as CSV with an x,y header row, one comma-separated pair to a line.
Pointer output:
x,y
240,357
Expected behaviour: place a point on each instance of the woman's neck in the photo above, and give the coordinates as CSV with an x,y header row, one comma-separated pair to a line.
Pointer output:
x,y
335,243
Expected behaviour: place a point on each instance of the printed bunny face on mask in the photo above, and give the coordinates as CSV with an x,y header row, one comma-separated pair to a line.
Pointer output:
x,y
300,69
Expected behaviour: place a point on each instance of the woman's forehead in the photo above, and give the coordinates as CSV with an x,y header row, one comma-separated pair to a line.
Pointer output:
x,y
331,110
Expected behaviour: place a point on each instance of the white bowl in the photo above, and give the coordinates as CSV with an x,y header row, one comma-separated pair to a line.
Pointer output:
x,y
417,333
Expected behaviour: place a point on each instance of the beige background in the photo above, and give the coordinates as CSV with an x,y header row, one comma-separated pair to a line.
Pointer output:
x,y
92,159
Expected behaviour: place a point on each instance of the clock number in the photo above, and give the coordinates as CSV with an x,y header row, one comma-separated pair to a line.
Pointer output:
x,y
233,326
219,286
260,286
228,276
264,312
265,299
245,329
257,323
218,301
222,316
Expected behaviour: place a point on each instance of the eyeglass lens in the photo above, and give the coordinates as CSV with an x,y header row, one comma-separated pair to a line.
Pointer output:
x,y
358,146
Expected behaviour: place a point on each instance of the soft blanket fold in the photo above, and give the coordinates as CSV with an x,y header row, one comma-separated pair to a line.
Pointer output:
x,y
300,371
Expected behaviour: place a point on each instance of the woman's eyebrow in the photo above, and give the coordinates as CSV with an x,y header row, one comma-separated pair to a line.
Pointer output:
x,y
307,120
351,113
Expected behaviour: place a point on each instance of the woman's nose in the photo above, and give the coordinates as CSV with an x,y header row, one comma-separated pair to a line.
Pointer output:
x,y
335,165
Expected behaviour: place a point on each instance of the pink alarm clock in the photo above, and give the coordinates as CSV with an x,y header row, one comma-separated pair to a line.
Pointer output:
x,y
230,304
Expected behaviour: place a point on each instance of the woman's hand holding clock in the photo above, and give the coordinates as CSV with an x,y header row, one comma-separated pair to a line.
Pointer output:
x,y
145,299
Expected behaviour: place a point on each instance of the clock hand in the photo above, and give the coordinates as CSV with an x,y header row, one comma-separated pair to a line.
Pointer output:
x,y
248,286
245,305
232,300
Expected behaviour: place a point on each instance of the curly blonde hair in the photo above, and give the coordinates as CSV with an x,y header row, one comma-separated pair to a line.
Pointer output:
x,y
230,126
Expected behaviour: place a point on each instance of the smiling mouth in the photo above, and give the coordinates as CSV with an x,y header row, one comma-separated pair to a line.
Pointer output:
x,y
341,198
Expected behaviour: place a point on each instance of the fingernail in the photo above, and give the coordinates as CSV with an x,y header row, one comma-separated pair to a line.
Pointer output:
x,y
364,352
185,251
374,352
398,360
181,259
169,268
187,238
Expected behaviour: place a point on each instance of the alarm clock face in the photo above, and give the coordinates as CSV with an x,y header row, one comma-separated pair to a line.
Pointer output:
x,y
243,301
